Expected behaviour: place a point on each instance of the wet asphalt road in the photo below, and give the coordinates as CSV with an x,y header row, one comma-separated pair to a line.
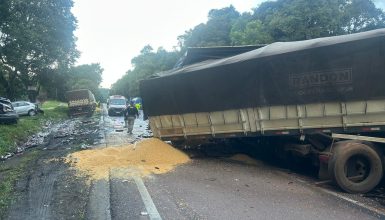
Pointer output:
x,y
205,188
212,188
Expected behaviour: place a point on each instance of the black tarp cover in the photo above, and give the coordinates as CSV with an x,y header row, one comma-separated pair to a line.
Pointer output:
x,y
341,68
199,54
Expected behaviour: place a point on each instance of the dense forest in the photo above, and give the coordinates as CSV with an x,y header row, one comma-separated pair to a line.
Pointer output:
x,y
271,21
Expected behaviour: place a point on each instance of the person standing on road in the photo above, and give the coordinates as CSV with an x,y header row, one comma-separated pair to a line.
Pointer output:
x,y
129,115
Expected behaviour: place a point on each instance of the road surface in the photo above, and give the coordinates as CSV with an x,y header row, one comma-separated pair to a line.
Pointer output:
x,y
205,188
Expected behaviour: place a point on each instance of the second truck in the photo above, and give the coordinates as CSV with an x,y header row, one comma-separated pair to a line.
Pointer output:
x,y
80,102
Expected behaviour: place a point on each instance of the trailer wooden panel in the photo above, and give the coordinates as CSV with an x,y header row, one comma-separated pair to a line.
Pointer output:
x,y
290,119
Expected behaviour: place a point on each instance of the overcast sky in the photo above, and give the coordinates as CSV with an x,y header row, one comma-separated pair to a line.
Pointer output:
x,y
113,32
380,3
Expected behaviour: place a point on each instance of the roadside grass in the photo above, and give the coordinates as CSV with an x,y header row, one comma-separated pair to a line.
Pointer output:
x,y
10,135
9,174
53,104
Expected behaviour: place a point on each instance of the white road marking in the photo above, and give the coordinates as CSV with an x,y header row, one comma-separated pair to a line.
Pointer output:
x,y
379,212
355,202
148,203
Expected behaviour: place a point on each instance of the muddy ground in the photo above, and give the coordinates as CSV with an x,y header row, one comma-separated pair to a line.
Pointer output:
x,y
48,189
212,186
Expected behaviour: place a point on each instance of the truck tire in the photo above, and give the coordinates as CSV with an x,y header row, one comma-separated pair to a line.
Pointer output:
x,y
355,167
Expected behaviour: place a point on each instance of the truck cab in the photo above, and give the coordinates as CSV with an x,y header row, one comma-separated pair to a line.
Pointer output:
x,y
116,105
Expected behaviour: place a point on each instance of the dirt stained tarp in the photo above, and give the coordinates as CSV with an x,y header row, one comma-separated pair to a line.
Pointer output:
x,y
341,68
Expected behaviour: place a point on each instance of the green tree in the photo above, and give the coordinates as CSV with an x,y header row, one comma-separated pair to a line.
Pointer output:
x,y
362,15
122,86
35,37
103,95
249,32
280,20
216,32
86,76
144,65
288,20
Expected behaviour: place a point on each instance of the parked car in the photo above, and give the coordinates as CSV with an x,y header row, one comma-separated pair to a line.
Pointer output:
x,y
7,113
25,108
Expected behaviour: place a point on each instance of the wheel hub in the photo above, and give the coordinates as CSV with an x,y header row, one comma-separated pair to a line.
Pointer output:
x,y
357,168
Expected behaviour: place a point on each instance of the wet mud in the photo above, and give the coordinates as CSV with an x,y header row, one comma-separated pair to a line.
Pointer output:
x,y
48,189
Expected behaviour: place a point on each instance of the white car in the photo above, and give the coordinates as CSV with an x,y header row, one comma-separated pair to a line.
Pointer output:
x,y
24,108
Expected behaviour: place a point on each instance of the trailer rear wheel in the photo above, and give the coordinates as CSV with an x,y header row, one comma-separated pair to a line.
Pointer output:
x,y
355,167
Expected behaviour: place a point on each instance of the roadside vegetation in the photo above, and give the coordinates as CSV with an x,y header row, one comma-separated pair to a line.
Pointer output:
x,y
268,22
9,174
11,135
44,61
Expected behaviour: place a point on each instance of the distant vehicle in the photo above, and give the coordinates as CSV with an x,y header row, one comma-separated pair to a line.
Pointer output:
x,y
80,102
25,108
116,105
7,113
